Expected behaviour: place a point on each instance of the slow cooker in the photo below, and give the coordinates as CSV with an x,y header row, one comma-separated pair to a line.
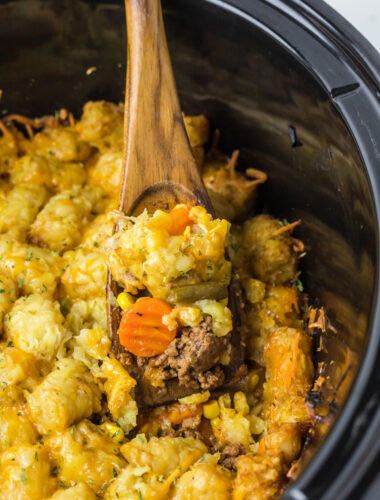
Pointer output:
x,y
297,89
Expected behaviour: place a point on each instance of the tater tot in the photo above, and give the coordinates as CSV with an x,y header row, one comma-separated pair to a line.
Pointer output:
x,y
59,225
289,375
20,208
65,396
25,473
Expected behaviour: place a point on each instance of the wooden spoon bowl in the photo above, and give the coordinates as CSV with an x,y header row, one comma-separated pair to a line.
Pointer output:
x,y
159,170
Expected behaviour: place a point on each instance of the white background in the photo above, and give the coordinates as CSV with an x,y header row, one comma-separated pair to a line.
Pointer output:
x,y
363,14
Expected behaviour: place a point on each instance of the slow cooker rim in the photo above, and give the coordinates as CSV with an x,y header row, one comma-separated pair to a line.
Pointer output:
x,y
361,57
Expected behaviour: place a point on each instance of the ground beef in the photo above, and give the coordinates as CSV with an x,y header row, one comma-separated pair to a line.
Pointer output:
x,y
193,357
230,454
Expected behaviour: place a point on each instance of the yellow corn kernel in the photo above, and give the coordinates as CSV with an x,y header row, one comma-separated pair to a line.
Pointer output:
x,y
187,231
256,424
253,379
240,403
215,422
197,398
113,431
255,410
224,401
124,300
211,409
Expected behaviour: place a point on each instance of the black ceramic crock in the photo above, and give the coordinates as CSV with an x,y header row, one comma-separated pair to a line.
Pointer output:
x,y
295,88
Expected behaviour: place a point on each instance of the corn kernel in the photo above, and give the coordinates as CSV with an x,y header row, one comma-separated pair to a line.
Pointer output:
x,y
113,431
257,409
187,231
215,422
256,424
124,300
253,379
224,401
197,398
211,409
240,403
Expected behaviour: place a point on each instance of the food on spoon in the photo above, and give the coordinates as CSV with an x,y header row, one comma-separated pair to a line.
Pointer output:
x,y
177,331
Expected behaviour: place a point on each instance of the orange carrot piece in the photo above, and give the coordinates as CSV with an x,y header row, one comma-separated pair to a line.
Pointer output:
x,y
141,329
180,220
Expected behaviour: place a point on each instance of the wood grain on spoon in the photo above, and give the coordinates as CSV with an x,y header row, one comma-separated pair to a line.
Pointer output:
x,y
159,170
159,167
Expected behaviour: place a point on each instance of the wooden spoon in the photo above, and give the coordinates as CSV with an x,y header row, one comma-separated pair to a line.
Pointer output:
x,y
159,169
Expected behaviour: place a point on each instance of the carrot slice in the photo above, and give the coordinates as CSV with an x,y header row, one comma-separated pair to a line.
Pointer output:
x,y
180,220
141,329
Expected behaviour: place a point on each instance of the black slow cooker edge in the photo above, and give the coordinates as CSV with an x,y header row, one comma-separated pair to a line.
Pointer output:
x,y
359,477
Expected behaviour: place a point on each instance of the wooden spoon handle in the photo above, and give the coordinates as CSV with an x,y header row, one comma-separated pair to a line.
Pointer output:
x,y
157,154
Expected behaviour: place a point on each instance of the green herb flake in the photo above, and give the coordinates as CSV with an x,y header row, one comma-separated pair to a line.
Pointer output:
x,y
96,244
161,479
141,497
302,255
30,256
23,476
4,386
114,472
10,343
43,288
36,456
141,438
20,282
2,290
298,284
62,484
51,153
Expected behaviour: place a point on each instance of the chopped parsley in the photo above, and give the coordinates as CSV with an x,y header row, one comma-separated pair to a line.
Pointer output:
x,y
298,284
23,476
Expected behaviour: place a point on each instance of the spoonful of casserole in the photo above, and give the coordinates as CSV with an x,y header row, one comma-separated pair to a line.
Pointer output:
x,y
173,305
